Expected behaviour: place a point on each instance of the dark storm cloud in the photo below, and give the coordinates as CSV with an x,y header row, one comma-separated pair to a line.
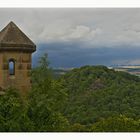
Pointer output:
x,y
63,55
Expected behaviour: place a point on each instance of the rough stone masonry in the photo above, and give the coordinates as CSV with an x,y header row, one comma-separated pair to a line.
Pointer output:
x,y
15,58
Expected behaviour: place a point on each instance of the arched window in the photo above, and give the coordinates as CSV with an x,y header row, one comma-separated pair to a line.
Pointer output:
x,y
11,67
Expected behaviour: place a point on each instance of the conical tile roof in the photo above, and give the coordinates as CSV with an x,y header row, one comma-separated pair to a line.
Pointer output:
x,y
11,37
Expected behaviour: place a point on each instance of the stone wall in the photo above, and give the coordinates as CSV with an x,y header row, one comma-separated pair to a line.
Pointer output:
x,y
21,78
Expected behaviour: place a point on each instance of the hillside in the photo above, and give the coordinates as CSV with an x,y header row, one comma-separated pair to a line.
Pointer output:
x,y
96,93
90,98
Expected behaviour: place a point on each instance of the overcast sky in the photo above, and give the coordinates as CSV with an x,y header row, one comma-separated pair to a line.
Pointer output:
x,y
76,37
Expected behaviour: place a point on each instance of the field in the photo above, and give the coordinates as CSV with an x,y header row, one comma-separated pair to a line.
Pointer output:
x,y
135,70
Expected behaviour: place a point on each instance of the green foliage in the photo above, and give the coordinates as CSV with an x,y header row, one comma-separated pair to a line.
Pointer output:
x,y
13,113
96,92
46,99
117,124
77,127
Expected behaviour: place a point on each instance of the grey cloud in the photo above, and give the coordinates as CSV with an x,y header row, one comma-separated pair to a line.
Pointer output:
x,y
93,26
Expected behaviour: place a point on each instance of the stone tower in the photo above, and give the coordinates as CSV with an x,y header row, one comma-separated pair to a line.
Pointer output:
x,y
15,58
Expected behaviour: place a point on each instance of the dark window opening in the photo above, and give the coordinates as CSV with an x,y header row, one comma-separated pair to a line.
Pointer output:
x,y
11,67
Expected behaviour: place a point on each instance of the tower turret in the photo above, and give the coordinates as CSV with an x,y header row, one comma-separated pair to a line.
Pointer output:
x,y
15,58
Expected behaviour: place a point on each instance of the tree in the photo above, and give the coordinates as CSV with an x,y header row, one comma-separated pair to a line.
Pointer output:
x,y
77,127
13,116
46,99
117,124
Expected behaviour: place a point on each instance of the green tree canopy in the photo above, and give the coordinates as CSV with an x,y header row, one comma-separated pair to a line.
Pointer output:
x,y
117,124
13,115
46,99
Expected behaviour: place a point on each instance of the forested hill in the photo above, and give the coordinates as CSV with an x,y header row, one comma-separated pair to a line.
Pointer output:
x,y
90,98
96,93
